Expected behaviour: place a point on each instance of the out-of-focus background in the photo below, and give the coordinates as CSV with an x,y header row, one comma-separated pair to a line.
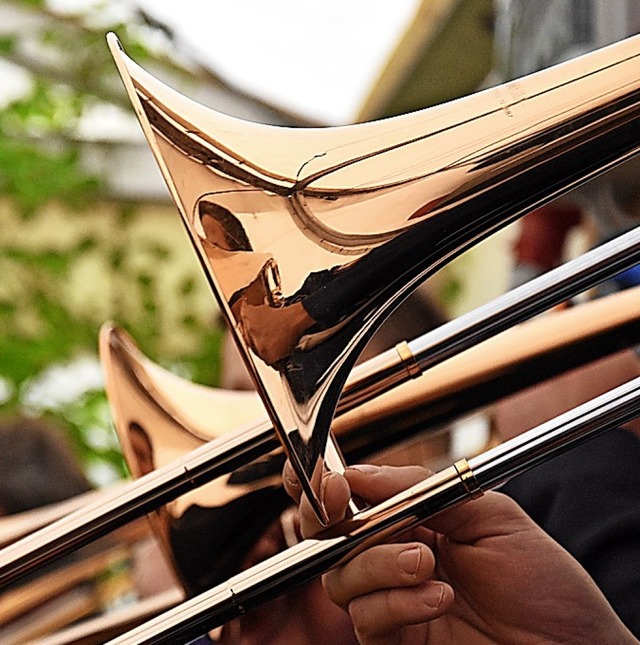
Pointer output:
x,y
88,232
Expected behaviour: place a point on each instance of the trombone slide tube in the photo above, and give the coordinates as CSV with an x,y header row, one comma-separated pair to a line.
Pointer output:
x,y
457,484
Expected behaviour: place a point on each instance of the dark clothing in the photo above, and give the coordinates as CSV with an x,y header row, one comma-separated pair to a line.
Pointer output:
x,y
588,500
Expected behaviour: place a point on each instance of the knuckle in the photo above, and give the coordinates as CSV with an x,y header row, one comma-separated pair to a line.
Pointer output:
x,y
361,616
331,587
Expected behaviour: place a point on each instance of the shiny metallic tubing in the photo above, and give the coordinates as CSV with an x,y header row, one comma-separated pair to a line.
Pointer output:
x,y
402,196
454,485
532,140
376,376
370,380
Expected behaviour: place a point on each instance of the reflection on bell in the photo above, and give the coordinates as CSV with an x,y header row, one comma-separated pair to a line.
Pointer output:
x,y
310,236
159,418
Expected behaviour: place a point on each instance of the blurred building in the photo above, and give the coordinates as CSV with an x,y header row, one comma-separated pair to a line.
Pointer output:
x,y
534,35
531,36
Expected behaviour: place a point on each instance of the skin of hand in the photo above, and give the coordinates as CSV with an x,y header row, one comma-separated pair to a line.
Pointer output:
x,y
477,574
273,332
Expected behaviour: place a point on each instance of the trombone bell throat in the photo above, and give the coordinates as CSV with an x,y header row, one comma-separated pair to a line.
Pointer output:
x,y
310,237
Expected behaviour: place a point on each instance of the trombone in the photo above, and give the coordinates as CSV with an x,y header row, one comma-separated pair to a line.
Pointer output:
x,y
230,447
338,225
310,237
370,211
465,480
554,343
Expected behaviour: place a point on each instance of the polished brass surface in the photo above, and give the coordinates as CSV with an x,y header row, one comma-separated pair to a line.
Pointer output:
x,y
310,237
536,350
145,394
160,418
369,211
285,571
408,359
308,248
615,122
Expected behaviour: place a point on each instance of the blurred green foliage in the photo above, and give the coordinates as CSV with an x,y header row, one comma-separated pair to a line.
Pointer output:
x,y
41,324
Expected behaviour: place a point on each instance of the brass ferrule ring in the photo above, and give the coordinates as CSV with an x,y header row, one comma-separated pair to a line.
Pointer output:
x,y
468,479
408,359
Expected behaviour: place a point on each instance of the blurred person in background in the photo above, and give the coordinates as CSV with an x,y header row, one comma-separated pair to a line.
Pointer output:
x,y
38,466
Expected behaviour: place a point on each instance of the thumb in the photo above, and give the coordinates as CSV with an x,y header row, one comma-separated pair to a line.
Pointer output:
x,y
491,515
375,484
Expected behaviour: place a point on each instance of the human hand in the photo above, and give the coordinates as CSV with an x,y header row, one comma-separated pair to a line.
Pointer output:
x,y
477,574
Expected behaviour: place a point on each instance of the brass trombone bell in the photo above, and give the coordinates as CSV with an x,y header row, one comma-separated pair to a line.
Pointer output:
x,y
539,146
309,237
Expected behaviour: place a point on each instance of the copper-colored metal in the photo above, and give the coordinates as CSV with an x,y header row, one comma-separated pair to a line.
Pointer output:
x,y
19,601
562,340
361,222
161,418
143,394
63,535
140,390
452,486
468,479
73,591
378,206
309,237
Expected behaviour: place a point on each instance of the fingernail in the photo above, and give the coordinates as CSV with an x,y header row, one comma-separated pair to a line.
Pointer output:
x,y
370,469
325,480
433,595
409,560
289,477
